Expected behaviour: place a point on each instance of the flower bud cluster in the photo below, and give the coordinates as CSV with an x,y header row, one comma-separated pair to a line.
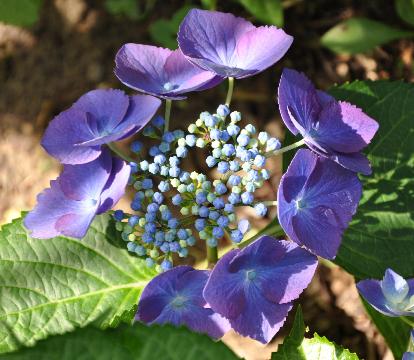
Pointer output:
x,y
173,206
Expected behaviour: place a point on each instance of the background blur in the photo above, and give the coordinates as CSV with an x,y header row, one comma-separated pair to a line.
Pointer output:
x,y
53,51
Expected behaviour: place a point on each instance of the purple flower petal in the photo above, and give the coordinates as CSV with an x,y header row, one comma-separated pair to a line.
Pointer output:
x,y
316,201
75,136
391,296
408,356
160,72
176,297
253,287
75,197
334,129
228,45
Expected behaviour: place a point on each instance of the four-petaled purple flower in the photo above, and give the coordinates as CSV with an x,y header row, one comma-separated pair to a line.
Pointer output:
x,y
76,196
316,201
176,297
161,72
334,129
391,296
254,287
76,135
228,45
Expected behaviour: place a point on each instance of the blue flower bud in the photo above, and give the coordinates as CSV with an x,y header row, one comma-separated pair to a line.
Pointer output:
x,y
181,151
236,236
147,238
224,136
203,211
153,168
250,129
150,216
154,151
177,199
211,197
223,221
243,139
191,188
234,165
174,171
263,137
191,241
234,180
218,232
229,208
136,146
148,131
273,144
164,186
131,246
118,215
190,140
160,159
218,203
260,209
234,198
147,184
223,167
173,223
165,247
260,160
175,246
210,121
153,207
168,137
183,252
250,187
216,153
223,110
215,134
166,265
144,165
182,234
228,150
164,170
212,242
178,134
235,116
149,262
200,224
233,130
201,197
220,188
211,161
214,215
247,198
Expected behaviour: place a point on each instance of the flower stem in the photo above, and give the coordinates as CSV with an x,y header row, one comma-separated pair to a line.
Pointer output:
x,y
408,322
269,202
230,91
168,104
286,148
120,153
212,256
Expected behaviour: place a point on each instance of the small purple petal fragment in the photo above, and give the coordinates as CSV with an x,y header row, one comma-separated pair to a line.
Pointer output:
x,y
175,297
161,72
76,196
334,129
242,287
391,296
230,46
76,135
316,201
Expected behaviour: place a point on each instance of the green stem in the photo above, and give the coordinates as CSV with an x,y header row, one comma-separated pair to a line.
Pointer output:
x,y
212,256
230,91
120,153
408,322
269,202
286,148
168,104
275,232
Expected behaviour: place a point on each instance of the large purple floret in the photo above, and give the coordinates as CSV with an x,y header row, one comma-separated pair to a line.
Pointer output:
x,y
76,135
76,196
316,201
228,45
176,297
161,72
392,296
334,129
254,287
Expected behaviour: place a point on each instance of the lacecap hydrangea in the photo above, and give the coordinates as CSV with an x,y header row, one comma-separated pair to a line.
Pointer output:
x,y
251,288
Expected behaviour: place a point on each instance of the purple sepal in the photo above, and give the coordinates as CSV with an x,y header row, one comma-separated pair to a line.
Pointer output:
x,y
76,135
316,201
230,46
161,72
242,287
76,196
176,297
391,296
334,129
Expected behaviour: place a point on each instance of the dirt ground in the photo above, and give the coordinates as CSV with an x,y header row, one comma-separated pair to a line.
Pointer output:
x,y
71,50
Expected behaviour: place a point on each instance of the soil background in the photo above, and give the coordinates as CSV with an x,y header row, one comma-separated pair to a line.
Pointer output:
x,y
71,50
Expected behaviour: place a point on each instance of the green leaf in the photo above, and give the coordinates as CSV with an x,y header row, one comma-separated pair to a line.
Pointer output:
x,y
381,234
133,9
164,32
405,10
138,342
266,11
296,347
53,286
394,330
209,4
20,12
358,35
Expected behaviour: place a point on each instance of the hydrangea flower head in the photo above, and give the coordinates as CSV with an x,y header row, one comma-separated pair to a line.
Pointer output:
x,y
316,201
228,45
76,196
76,135
161,72
254,287
176,297
392,296
334,129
